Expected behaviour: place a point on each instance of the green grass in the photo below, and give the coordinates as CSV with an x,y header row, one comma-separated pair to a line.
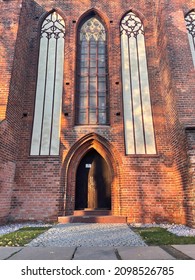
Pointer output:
x,y
160,236
22,236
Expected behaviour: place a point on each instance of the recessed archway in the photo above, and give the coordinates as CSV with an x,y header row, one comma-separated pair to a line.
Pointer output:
x,y
105,152
93,182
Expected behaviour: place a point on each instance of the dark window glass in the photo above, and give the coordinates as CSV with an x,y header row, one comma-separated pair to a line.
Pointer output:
x,y
91,96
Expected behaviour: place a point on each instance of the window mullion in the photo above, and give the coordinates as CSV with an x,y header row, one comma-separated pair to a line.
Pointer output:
x,y
45,85
132,108
88,86
190,25
45,134
136,91
97,103
106,89
92,32
140,91
54,90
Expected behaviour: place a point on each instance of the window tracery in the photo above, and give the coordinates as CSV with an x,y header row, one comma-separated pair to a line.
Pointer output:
x,y
46,125
92,95
138,122
190,25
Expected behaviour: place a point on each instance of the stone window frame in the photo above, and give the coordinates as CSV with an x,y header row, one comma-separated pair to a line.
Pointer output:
x,y
45,138
138,118
95,77
190,26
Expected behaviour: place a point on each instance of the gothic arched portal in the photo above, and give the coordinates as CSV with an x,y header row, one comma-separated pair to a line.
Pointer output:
x,y
87,154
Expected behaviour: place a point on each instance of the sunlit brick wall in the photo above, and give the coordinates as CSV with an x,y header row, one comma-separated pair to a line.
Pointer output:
x,y
146,188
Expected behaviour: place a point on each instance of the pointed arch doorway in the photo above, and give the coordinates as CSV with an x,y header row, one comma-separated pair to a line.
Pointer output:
x,y
93,182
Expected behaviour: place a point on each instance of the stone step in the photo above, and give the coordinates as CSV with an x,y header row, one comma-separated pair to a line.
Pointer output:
x,y
89,212
92,219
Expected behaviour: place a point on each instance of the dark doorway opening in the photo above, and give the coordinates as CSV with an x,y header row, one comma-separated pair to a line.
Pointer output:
x,y
93,182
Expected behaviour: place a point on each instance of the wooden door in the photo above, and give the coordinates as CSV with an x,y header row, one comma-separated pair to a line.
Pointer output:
x,y
93,182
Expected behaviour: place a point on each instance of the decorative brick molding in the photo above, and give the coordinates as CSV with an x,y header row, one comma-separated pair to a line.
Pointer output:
x,y
76,153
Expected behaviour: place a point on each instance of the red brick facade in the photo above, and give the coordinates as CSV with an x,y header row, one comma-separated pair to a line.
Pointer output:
x,y
145,188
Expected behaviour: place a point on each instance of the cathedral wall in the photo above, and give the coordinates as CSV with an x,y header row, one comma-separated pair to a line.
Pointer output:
x,y
150,188
11,84
177,73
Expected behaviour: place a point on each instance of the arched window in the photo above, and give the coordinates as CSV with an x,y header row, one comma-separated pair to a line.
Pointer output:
x,y
91,92
138,123
46,126
190,24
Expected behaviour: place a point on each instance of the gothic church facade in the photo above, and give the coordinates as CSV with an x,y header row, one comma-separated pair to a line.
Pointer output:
x,y
97,109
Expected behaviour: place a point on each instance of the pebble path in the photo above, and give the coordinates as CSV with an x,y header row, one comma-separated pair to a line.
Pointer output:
x,y
88,235
92,234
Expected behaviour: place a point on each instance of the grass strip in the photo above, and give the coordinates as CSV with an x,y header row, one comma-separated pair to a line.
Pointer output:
x,y
22,236
159,236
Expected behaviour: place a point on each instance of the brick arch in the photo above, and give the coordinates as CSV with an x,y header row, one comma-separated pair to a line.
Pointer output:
x,y
137,13
47,13
94,11
75,155
187,12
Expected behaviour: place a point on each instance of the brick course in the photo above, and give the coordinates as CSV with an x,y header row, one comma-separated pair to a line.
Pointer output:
x,y
145,188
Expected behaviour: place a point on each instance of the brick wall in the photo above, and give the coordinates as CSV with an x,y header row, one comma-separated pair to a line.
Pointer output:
x,y
10,112
177,82
145,188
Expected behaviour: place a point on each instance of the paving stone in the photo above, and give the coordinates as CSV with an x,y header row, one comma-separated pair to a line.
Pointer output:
x,y
95,253
40,253
149,253
6,252
188,250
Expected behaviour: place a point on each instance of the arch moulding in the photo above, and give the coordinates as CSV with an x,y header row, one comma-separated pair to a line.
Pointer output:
x,y
72,160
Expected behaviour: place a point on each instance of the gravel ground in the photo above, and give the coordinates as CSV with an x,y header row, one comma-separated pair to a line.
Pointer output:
x,y
182,230
179,230
88,235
